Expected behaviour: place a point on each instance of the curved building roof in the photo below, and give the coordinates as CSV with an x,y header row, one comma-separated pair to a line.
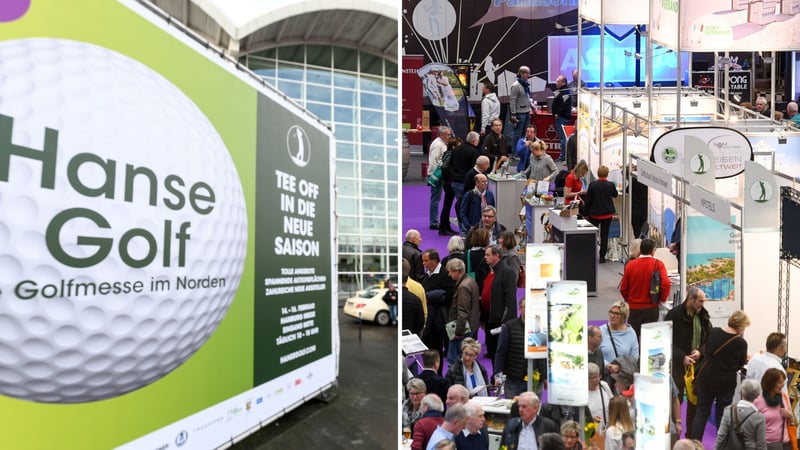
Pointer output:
x,y
247,26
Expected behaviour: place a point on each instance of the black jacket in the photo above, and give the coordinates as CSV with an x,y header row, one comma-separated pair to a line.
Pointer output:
x,y
434,383
455,373
513,427
682,331
413,254
562,103
503,305
599,198
463,159
413,317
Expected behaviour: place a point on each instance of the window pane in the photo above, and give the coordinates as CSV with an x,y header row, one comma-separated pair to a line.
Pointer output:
x,y
391,103
290,88
374,153
290,72
371,85
372,171
345,59
344,79
372,101
347,186
320,110
372,136
344,97
345,150
318,93
342,114
318,55
345,132
345,168
371,117
292,53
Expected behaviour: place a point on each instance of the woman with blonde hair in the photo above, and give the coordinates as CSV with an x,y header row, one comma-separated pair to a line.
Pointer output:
x,y
619,339
619,421
724,354
571,434
467,371
573,187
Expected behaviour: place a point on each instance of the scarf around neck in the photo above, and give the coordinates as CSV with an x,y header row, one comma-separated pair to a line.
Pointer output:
x,y
525,84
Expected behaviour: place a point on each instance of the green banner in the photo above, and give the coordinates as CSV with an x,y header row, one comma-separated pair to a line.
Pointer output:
x,y
293,244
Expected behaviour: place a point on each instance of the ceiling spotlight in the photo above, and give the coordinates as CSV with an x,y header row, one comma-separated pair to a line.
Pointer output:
x,y
637,104
693,102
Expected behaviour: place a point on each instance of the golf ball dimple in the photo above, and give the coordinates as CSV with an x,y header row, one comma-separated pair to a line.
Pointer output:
x,y
151,205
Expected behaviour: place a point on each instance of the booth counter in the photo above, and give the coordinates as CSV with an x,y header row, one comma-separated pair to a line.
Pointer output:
x,y
546,130
580,248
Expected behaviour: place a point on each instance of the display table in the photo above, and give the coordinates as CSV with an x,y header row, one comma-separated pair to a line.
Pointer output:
x,y
546,130
507,191
580,249
497,412
536,208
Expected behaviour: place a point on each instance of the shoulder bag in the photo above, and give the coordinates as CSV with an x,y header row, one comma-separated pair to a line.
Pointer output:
x,y
705,362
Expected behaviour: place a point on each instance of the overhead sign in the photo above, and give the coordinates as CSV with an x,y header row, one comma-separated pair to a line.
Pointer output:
x,y
738,25
709,204
729,150
652,176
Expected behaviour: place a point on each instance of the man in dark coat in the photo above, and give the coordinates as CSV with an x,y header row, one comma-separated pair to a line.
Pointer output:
x,y
413,315
529,425
413,254
686,343
498,296
439,293
463,159
434,382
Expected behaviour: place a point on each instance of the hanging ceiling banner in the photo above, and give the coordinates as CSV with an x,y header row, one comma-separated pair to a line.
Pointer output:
x,y
591,10
625,12
761,195
741,25
664,23
728,149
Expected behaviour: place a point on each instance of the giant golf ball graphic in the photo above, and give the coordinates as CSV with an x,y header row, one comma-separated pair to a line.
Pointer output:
x,y
123,229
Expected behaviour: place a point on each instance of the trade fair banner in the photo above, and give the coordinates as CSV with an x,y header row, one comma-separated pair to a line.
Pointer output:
x,y
656,361
446,94
536,324
740,25
652,403
654,177
724,151
166,241
568,382
761,193
711,262
664,22
543,264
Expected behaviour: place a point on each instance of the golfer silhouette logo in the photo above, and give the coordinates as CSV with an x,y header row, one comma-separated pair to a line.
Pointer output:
x,y
761,191
298,146
698,164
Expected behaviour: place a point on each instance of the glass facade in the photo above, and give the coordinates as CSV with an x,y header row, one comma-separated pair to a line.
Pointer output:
x,y
356,94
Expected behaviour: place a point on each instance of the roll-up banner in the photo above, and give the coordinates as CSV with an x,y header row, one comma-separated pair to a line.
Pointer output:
x,y
166,241
656,362
568,381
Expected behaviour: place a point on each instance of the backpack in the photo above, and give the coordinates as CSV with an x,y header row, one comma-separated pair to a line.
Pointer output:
x,y
655,285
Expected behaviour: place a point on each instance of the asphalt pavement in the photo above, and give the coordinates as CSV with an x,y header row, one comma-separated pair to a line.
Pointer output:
x,y
361,413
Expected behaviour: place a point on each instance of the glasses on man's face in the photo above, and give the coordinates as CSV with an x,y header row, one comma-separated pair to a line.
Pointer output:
x,y
469,354
489,216
414,394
